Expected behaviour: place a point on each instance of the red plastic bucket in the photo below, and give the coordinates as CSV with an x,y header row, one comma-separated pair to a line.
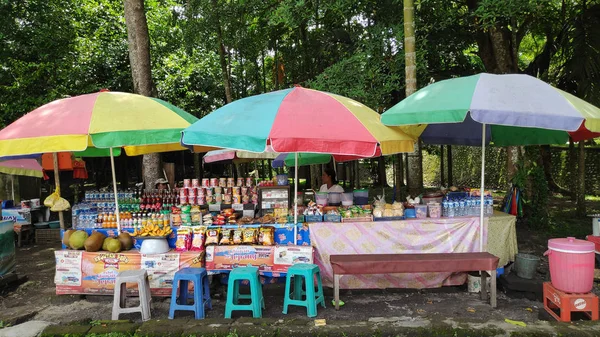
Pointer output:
x,y
571,264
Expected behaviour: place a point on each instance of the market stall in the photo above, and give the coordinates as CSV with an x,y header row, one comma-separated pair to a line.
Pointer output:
x,y
427,235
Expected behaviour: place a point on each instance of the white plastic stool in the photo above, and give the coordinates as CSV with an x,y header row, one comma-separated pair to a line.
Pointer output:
x,y
132,276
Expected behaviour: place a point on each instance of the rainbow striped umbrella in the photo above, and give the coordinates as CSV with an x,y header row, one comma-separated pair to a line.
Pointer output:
x,y
298,120
101,120
22,167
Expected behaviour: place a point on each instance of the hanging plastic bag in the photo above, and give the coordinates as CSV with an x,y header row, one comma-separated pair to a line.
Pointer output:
x,y
60,205
51,199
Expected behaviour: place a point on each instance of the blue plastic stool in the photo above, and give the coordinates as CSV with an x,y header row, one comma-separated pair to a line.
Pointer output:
x,y
304,272
201,292
257,301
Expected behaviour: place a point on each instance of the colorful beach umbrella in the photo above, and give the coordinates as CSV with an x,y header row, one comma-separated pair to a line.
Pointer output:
x,y
22,167
516,109
512,109
298,120
102,120
289,160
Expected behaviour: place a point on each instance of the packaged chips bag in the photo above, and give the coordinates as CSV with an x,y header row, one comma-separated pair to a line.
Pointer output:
x,y
267,236
237,236
227,237
183,240
198,234
250,237
212,237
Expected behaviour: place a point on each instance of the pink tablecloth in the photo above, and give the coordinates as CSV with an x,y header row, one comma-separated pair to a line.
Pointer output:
x,y
395,237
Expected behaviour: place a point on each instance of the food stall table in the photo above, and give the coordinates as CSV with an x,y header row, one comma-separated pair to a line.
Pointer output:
x,y
81,272
443,235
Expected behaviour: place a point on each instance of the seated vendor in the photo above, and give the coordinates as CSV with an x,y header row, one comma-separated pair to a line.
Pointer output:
x,y
329,182
161,184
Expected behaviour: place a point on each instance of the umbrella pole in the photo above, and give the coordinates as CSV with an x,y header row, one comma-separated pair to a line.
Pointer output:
x,y
482,189
114,179
12,185
295,197
61,216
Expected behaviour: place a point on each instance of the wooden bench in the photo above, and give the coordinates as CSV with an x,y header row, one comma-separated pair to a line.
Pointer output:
x,y
361,264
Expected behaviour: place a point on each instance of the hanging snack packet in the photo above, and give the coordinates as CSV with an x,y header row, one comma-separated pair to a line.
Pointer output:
x,y
237,236
183,240
198,239
212,237
250,236
267,236
226,238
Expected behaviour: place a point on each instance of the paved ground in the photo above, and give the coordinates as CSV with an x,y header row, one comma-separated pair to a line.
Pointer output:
x,y
449,311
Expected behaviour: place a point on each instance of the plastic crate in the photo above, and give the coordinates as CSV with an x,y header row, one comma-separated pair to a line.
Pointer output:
x,y
313,218
366,218
332,218
47,235
290,219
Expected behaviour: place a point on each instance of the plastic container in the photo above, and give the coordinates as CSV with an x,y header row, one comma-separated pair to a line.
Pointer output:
x,y
154,246
526,265
321,198
334,198
571,264
410,213
595,224
421,211
54,224
347,199
432,197
282,180
434,210
361,197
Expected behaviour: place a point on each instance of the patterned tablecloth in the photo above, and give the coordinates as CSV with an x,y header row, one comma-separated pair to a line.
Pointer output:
x,y
411,236
502,237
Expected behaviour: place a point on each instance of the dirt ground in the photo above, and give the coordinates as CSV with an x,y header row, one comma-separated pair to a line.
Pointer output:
x,y
34,296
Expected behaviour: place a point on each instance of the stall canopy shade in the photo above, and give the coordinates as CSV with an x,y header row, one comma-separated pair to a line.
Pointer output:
x,y
298,120
517,109
236,156
22,167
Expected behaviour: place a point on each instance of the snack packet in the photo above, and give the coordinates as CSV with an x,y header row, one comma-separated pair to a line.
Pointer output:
x,y
250,236
183,240
198,239
237,236
226,238
212,237
267,236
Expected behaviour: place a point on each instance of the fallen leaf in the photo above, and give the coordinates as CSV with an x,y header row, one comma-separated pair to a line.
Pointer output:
x,y
529,309
429,302
421,311
519,323
470,310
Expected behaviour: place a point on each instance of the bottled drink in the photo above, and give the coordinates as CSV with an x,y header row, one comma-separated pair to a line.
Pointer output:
x,y
445,207
451,208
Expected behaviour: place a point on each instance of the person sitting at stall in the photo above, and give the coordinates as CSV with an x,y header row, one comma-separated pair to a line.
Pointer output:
x,y
329,182
161,184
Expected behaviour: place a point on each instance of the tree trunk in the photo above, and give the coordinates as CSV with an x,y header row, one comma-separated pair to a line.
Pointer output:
x,y
442,171
357,173
382,173
399,172
139,57
581,180
315,177
415,159
198,172
449,158
222,52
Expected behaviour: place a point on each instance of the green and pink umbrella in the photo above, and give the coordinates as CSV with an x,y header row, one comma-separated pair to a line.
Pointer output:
x,y
503,110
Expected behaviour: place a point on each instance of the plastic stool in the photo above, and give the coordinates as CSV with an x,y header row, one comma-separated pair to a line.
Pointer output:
x,y
304,272
132,276
199,278
257,301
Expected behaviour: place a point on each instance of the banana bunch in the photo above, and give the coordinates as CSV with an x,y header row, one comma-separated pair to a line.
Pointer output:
x,y
153,230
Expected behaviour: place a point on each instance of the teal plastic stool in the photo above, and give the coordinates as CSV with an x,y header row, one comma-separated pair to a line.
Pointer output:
x,y
304,273
257,301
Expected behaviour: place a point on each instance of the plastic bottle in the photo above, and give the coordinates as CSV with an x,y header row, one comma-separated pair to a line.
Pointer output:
x,y
445,207
489,206
451,208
